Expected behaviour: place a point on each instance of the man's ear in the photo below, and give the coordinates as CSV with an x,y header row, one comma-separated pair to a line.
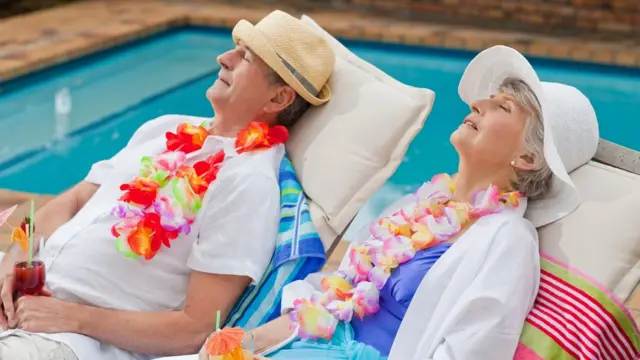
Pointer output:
x,y
281,99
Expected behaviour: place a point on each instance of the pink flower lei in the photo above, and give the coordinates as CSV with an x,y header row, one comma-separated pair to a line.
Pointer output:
x,y
355,289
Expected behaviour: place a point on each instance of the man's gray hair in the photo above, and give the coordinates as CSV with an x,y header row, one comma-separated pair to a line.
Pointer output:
x,y
532,183
292,113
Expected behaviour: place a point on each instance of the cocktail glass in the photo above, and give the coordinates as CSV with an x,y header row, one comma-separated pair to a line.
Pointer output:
x,y
29,277
247,349
248,345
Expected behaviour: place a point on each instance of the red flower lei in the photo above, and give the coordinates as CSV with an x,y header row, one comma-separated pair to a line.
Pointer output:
x,y
163,200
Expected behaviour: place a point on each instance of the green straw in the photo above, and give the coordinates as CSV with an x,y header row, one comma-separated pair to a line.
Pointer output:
x,y
31,234
218,320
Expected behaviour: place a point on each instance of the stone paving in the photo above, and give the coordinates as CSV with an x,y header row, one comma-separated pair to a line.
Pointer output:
x,y
40,39
37,40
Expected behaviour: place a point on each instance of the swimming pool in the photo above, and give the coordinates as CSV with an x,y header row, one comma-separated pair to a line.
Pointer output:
x,y
114,92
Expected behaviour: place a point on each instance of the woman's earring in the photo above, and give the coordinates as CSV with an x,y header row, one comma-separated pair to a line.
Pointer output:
x,y
513,163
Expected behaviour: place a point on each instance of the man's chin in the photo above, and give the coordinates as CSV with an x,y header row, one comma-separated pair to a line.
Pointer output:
x,y
213,95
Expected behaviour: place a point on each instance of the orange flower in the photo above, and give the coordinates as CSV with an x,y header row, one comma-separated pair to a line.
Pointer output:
x,y
148,236
259,136
208,168
140,191
198,184
188,138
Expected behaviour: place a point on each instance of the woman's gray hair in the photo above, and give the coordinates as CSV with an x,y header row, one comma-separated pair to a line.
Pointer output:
x,y
532,183
292,113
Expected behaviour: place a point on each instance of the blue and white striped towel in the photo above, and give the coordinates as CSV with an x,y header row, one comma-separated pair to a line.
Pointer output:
x,y
299,252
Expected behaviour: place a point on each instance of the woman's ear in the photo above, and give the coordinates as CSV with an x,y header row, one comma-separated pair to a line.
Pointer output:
x,y
525,162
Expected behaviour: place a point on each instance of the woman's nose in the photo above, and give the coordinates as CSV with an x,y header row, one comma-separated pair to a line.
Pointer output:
x,y
480,106
476,106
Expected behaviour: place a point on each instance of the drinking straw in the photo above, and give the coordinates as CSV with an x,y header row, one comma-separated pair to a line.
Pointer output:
x,y
218,320
31,233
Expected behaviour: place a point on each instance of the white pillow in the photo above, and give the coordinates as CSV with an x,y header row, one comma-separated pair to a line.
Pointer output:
x,y
345,150
602,237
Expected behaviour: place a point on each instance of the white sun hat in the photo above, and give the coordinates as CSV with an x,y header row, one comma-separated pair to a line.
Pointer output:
x,y
570,125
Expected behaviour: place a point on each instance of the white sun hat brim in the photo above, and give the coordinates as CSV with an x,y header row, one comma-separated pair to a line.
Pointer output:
x,y
483,77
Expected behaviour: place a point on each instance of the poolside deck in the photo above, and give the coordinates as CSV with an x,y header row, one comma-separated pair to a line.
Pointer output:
x,y
37,40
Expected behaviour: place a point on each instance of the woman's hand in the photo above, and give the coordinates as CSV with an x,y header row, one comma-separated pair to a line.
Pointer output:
x,y
272,333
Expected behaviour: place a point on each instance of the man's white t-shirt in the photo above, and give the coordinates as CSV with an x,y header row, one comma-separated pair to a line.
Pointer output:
x,y
234,233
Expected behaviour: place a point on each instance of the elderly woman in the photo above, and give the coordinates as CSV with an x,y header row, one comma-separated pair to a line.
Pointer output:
x,y
452,270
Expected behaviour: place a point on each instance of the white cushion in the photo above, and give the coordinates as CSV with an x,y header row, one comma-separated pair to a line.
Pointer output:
x,y
345,150
602,237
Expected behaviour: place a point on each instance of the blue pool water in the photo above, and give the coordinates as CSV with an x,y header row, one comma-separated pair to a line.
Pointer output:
x,y
114,92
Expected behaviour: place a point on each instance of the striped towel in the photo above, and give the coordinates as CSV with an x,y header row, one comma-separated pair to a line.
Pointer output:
x,y
574,318
299,252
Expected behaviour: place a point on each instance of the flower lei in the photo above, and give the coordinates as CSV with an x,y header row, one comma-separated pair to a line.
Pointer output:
x,y
162,202
432,219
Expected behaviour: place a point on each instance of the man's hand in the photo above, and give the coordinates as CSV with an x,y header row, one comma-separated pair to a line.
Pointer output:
x,y
7,315
49,217
45,314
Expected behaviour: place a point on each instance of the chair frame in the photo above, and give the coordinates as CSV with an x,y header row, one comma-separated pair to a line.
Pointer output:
x,y
618,156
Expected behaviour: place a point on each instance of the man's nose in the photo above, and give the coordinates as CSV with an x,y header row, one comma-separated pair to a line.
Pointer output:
x,y
226,60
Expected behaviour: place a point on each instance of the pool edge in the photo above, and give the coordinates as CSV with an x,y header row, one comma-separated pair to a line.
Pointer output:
x,y
125,23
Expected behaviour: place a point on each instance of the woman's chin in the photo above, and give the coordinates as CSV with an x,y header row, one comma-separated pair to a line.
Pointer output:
x,y
459,138
462,143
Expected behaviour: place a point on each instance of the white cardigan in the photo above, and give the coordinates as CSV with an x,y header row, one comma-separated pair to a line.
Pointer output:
x,y
473,302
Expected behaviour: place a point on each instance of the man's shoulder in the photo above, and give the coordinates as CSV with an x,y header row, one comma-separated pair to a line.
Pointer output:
x,y
263,165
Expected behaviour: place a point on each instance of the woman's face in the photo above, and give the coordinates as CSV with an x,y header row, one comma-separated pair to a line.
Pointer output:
x,y
493,133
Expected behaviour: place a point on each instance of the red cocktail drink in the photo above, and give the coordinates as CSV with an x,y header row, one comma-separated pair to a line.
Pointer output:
x,y
29,278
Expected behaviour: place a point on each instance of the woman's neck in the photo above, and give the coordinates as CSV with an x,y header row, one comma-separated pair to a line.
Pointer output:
x,y
470,179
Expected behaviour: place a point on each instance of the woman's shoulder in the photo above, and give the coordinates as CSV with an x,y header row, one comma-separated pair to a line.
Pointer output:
x,y
506,226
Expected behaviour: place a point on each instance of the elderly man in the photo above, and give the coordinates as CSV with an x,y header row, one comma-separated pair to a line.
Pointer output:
x,y
143,252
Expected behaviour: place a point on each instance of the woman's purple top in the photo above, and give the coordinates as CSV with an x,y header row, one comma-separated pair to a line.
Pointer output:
x,y
380,329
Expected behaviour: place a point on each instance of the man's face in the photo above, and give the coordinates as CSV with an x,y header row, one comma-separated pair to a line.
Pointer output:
x,y
243,89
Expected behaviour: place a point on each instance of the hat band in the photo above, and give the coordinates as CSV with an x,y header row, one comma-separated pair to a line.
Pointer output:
x,y
303,80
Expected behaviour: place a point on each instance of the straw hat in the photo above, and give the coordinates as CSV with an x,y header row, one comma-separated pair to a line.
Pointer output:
x,y
295,51
570,125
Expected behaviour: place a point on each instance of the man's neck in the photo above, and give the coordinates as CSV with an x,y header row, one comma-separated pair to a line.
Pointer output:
x,y
230,129
220,127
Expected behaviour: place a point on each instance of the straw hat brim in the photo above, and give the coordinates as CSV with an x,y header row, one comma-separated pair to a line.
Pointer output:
x,y
482,78
254,39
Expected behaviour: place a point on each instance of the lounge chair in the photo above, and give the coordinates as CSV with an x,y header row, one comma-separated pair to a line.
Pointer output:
x,y
590,267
